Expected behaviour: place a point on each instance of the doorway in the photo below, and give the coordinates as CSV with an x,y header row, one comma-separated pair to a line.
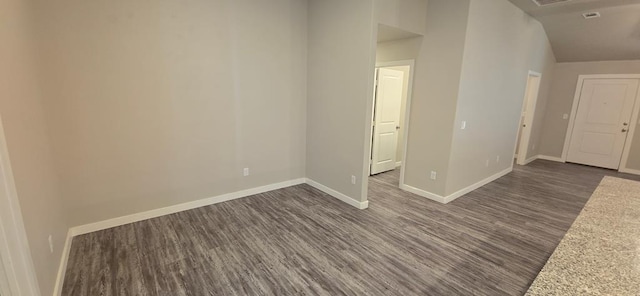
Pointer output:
x,y
390,114
526,118
602,121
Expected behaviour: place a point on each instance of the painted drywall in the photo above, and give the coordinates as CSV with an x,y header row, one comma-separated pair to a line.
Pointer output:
x,y
341,43
153,104
399,50
435,93
561,100
30,158
408,15
502,45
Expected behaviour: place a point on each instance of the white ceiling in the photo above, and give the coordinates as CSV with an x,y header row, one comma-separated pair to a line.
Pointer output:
x,y
613,36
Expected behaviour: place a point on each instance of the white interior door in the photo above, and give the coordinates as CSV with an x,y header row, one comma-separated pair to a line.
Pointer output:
x,y
386,121
602,122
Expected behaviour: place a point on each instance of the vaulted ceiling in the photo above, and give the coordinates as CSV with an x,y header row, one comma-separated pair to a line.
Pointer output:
x,y
615,35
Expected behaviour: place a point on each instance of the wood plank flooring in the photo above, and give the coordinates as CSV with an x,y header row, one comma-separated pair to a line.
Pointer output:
x,y
299,241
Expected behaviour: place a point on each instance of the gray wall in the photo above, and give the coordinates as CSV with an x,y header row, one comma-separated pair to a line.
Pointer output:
x,y
408,15
435,93
23,119
153,104
340,87
438,58
561,100
502,45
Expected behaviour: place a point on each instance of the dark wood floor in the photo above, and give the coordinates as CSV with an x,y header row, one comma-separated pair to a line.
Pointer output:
x,y
299,241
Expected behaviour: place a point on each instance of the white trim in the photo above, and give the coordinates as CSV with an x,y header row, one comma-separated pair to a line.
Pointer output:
x,y
343,197
550,158
457,194
572,118
92,227
574,110
398,164
477,185
423,193
14,245
633,124
62,269
407,110
630,171
531,104
530,160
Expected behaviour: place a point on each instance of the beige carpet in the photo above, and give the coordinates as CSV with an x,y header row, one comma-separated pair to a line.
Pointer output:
x,y
600,254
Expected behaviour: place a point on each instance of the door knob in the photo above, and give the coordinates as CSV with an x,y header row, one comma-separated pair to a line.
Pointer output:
x,y
624,130
625,124
397,127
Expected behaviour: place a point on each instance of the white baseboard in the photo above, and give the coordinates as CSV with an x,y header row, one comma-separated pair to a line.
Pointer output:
x,y
477,185
398,164
457,194
629,171
423,193
355,203
57,290
88,228
551,158
530,160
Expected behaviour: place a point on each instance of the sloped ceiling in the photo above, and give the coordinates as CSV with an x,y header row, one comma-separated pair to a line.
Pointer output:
x,y
613,36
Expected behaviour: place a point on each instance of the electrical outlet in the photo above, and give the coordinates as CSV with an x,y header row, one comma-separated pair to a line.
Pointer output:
x,y
434,175
463,125
353,179
565,116
498,158
51,243
245,172
486,163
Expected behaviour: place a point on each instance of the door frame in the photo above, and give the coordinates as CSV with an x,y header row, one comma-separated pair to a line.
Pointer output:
x,y
407,112
532,103
17,263
632,125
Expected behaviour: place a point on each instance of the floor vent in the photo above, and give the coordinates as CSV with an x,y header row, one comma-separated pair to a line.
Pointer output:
x,y
549,2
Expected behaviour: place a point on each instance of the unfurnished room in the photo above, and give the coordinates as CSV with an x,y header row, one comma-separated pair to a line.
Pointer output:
x,y
319,147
